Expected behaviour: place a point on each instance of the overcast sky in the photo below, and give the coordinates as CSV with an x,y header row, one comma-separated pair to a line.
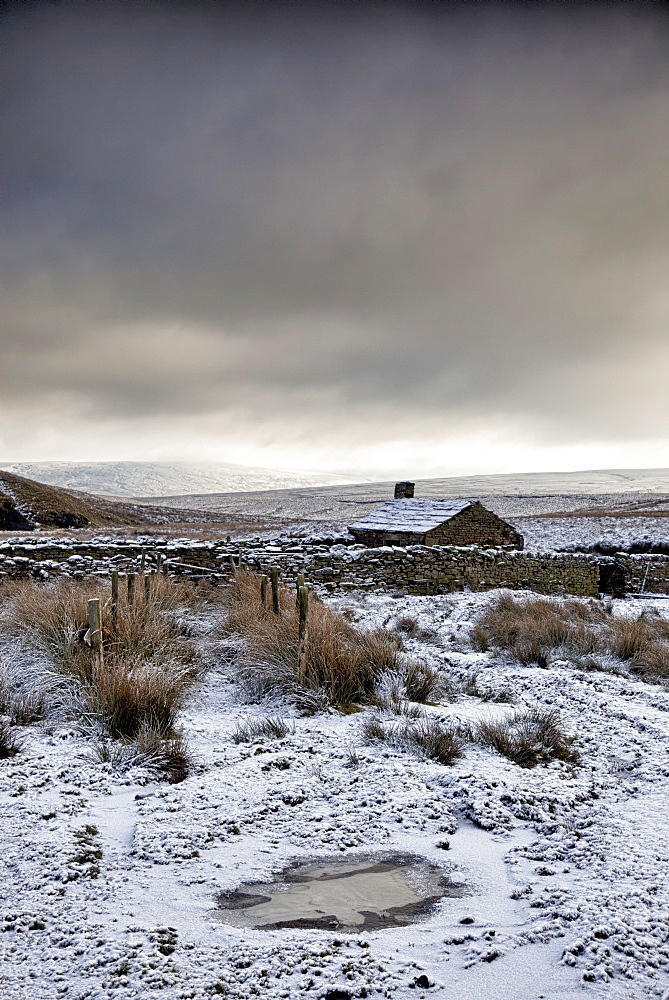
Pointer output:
x,y
405,239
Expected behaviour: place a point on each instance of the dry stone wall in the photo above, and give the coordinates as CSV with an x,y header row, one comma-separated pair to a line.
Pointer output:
x,y
338,567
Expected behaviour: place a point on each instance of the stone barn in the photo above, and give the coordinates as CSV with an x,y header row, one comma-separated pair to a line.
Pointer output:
x,y
415,521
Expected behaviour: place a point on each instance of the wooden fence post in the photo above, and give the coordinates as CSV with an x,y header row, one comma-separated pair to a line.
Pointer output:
x,y
114,594
142,561
303,611
95,629
274,580
263,590
147,587
132,584
299,583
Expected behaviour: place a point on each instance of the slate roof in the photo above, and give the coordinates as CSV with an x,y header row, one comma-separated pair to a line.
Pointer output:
x,y
415,515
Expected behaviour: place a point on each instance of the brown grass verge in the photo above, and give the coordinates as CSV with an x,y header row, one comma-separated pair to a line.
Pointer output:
x,y
342,662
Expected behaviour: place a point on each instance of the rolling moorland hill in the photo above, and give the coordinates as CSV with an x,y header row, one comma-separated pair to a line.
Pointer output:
x,y
26,505
541,493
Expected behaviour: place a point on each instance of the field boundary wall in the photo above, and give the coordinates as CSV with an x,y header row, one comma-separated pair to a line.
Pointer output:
x,y
339,567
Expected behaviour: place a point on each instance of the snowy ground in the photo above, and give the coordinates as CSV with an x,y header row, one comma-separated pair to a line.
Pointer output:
x,y
109,882
545,534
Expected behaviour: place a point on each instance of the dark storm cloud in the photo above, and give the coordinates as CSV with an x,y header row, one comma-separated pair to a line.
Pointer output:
x,y
463,207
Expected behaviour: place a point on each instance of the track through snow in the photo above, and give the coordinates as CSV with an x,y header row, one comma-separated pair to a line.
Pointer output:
x,y
109,882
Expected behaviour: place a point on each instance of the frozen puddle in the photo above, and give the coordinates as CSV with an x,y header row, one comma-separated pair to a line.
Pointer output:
x,y
368,893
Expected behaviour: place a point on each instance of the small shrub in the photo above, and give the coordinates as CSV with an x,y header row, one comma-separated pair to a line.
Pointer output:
x,y
10,742
527,737
389,696
408,625
428,737
253,729
479,639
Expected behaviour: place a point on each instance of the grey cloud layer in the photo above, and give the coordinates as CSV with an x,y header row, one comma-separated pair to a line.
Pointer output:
x,y
466,207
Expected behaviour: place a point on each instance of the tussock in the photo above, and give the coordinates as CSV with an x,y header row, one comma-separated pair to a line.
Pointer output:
x,y
254,729
135,696
127,695
148,749
343,663
435,739
428,737
527,737
538,631
10,741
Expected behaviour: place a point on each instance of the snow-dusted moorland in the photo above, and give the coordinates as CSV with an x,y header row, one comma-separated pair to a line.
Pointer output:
x,y
109,878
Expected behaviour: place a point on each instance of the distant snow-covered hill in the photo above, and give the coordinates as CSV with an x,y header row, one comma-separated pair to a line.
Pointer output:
x,y
141,479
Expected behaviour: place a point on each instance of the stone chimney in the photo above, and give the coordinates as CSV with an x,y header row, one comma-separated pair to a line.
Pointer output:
x,y
404,490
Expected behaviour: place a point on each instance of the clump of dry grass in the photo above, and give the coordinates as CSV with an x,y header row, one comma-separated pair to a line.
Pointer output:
x,y
428,737
436,740
422,682
253,729
55,617
539,630
127,695
10,742
344,663
170,756
527,737
135,694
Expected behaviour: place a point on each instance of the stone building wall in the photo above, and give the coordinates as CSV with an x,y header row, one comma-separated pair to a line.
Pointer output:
x,y
475,526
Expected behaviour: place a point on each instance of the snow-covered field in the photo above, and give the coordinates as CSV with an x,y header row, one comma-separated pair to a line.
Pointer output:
x,y
109,881
544,534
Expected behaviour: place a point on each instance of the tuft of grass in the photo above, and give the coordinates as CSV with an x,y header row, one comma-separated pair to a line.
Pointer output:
x,y
436,740
372,730
135,695
428,737
128,695
528,737
10,741
55,618
343,663
540,630
254,729
422,683
169,757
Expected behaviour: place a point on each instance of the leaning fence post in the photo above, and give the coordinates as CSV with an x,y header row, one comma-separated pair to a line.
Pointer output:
x,y
95,628
303,634
274,580
263,590
114,594
132,583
